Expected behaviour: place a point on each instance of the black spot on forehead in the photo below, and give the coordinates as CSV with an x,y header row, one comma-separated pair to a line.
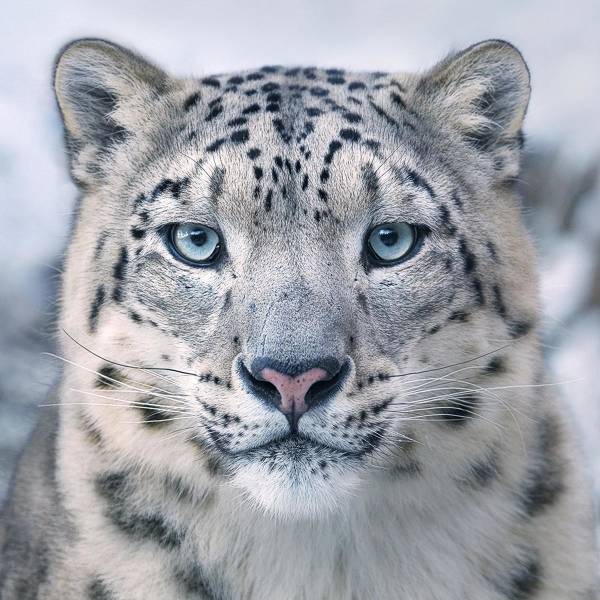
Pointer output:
x,y
211,82
334,146
253,108
350,135
191,101
240,137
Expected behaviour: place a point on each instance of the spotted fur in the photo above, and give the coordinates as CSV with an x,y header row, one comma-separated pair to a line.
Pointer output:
x,y
440,466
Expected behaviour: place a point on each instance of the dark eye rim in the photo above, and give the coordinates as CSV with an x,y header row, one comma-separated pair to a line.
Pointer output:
x,y
168,233
420,233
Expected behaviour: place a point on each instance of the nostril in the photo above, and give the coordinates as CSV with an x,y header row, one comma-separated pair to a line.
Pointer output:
x,y
258,387
326,388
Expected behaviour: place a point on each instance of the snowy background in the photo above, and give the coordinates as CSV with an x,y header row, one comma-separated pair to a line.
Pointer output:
x,y
561,185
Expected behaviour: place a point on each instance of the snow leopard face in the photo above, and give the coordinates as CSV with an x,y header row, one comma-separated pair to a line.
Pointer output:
x,y
290,278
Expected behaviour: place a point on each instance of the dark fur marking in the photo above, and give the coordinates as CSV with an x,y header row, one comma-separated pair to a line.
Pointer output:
x,y
406,470
117,489
356,85
447,220
191,101
469,259
135,317
544,484
459,410
195,582
253,153
137,233
211,82
492,250
363,302
518,329
214,112
418,181
371,181
350,135
215,145
215,185
398,100
323,195
153,417
496,366
484,471
100,244
237,122
253,108
478,291
524,579
95,308
334,146
240,137
352,117
92,432
268,200
383,114
97,590
106,374
499,301
119,272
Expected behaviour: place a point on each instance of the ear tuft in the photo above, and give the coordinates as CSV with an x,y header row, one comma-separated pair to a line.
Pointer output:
x,y
98,87
482,91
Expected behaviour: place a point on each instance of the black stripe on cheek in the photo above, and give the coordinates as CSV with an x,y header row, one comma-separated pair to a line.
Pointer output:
x,y
95,308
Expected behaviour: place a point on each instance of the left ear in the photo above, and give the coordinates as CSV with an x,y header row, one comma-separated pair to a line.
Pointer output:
x,y
482,92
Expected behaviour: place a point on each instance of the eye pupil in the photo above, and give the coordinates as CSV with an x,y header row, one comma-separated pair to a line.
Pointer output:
x,y
388,237
198,237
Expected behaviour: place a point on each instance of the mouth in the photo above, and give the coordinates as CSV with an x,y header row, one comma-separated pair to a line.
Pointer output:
x,y
294,448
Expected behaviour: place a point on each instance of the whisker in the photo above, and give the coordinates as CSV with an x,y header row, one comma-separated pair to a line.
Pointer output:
x,y
127,366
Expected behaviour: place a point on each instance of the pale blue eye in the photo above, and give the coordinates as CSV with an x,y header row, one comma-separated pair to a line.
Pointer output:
x,y
392,241
195,243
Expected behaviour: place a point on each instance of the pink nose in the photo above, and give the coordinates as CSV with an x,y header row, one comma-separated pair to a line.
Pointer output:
x,y
293,390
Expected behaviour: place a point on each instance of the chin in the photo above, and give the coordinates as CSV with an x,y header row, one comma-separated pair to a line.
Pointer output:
x,y
297,480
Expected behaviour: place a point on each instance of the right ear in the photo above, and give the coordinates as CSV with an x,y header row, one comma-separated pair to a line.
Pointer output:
x,y
102,91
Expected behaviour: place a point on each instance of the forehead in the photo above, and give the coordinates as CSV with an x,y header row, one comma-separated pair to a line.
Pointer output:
x,y
289,142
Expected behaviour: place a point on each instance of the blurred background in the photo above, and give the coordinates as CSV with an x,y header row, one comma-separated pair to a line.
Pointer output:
x,y
560,182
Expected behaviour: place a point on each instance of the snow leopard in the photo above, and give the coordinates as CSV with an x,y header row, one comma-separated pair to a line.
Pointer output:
x,y
299,328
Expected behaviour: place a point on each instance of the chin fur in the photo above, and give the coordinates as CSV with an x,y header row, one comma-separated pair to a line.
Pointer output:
x,y
296,482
